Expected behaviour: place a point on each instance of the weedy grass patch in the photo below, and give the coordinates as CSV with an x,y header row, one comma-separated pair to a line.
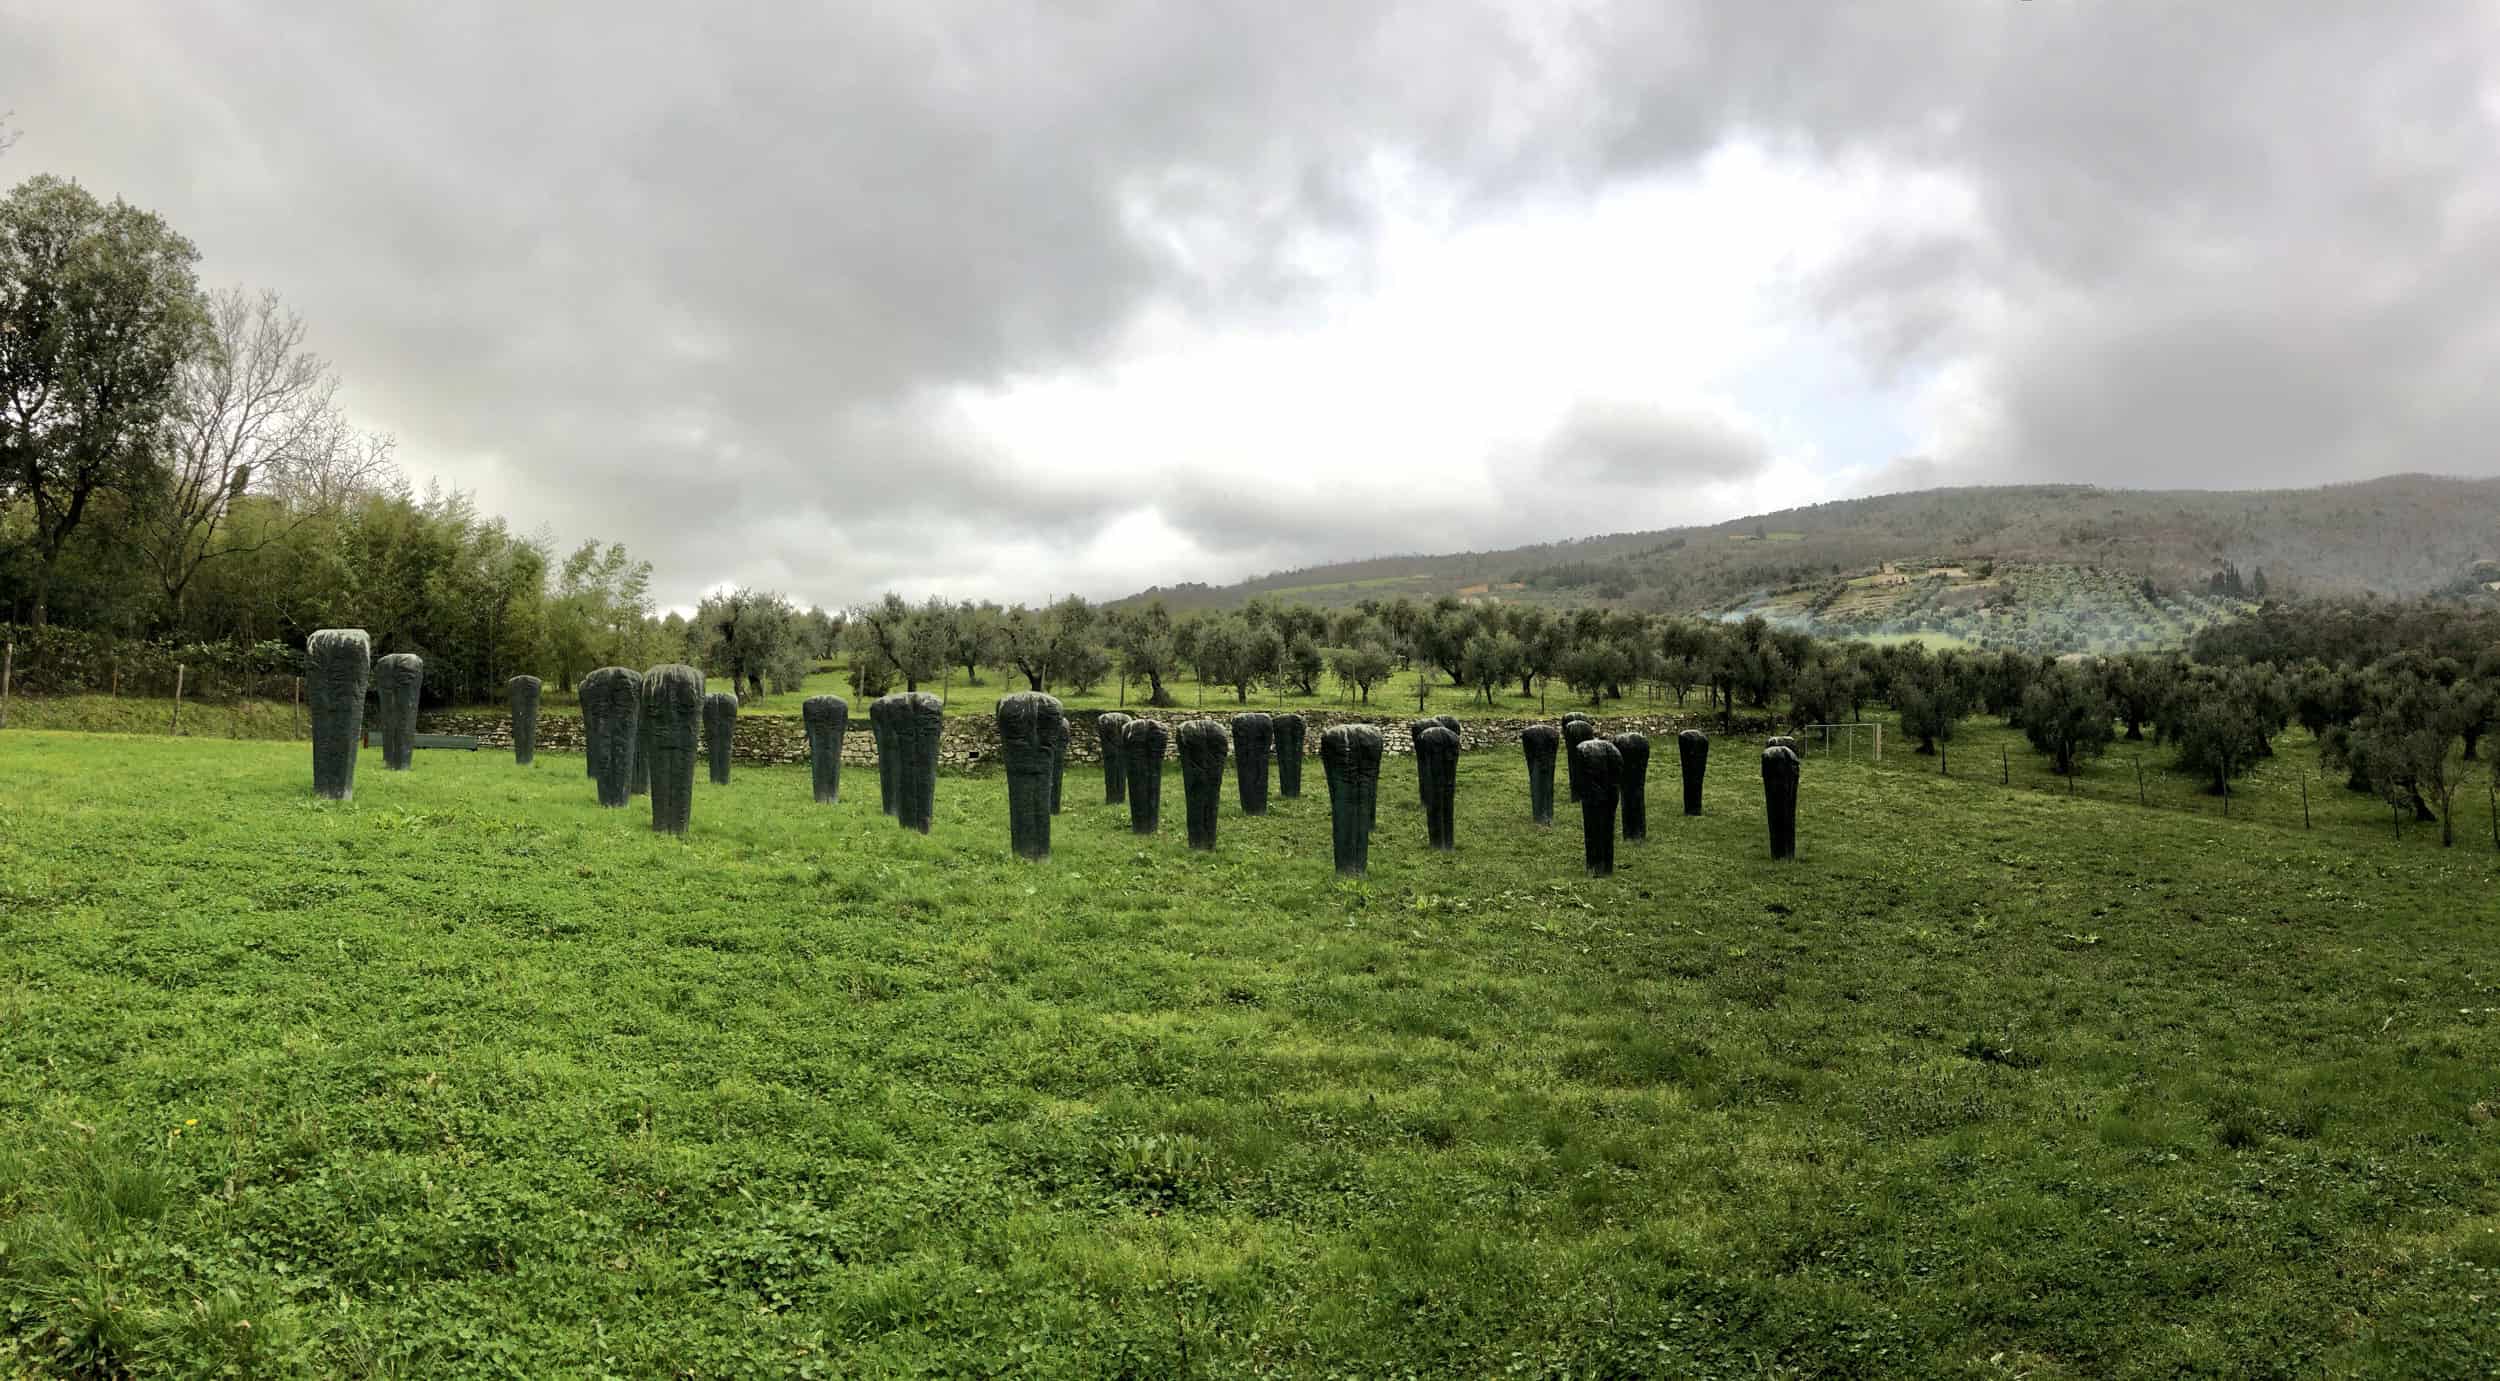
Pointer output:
x,y
468,1076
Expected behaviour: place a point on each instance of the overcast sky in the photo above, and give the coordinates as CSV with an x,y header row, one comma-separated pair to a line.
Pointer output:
x,y
1006,300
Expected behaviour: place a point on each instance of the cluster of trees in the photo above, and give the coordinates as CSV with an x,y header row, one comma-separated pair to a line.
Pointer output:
x,y
2388,693
2396,698
174,466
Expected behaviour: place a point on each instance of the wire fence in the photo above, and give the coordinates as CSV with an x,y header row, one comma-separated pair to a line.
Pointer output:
x,y
2288,788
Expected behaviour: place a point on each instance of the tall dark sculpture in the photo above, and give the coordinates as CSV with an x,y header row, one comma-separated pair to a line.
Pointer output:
x,y
1780,771
881,732
1058,759
1202,778
1436,771
672,705
1692,749
1111,740
593,698
341,661
917,725
612,711
1601,775
1570,715
1289,738
399,677
1031,725
1539,742
1574,733
645,740
1254,739
1632,791
524,692
1349,755
720,733
827,718
1787,741
1141,751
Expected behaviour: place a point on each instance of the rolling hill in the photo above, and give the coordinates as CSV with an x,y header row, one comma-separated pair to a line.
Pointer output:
x,y
2092,566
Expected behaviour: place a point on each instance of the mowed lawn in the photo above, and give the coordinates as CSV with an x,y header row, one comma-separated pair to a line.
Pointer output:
x,y
470,1077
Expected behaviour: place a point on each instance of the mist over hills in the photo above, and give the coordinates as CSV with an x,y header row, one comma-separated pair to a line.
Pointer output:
x,y
2397,535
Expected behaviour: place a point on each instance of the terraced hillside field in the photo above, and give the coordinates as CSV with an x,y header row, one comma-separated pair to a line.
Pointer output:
x,y
2029,607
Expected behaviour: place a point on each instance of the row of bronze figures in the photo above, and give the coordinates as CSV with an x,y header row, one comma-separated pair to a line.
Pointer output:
x,y
641,731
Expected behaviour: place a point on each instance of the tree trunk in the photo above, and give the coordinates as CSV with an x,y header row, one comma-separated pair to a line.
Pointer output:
x,y
42,591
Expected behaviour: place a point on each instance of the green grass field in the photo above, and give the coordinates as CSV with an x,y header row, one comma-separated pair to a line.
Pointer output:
x,y
469,1077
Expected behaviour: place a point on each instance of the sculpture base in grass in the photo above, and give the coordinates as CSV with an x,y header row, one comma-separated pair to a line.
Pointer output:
x,y
672,696
826,718
1436,774
1601,777
1141,754
612,712
917,723
1692,751
720,733
1349,755
1574,733
340,663
1539,742
1780,773
1254,735
1030,726
1290,737
1202,778
524,692
1632,789
1110,741
881,713
399,677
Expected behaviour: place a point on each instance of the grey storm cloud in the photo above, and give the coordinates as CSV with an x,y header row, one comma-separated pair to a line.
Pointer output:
x,y
699,277
1634,444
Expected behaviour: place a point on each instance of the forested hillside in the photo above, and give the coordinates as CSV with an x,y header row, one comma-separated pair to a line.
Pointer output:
x,y
2399,535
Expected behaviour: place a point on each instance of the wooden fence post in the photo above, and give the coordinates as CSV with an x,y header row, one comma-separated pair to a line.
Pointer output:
x,y
8,666
2139,779
2005,768
176,727
2304,803
295,709
1879,741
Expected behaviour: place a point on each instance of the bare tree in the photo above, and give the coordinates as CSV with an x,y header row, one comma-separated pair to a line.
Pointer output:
x,y
255,417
